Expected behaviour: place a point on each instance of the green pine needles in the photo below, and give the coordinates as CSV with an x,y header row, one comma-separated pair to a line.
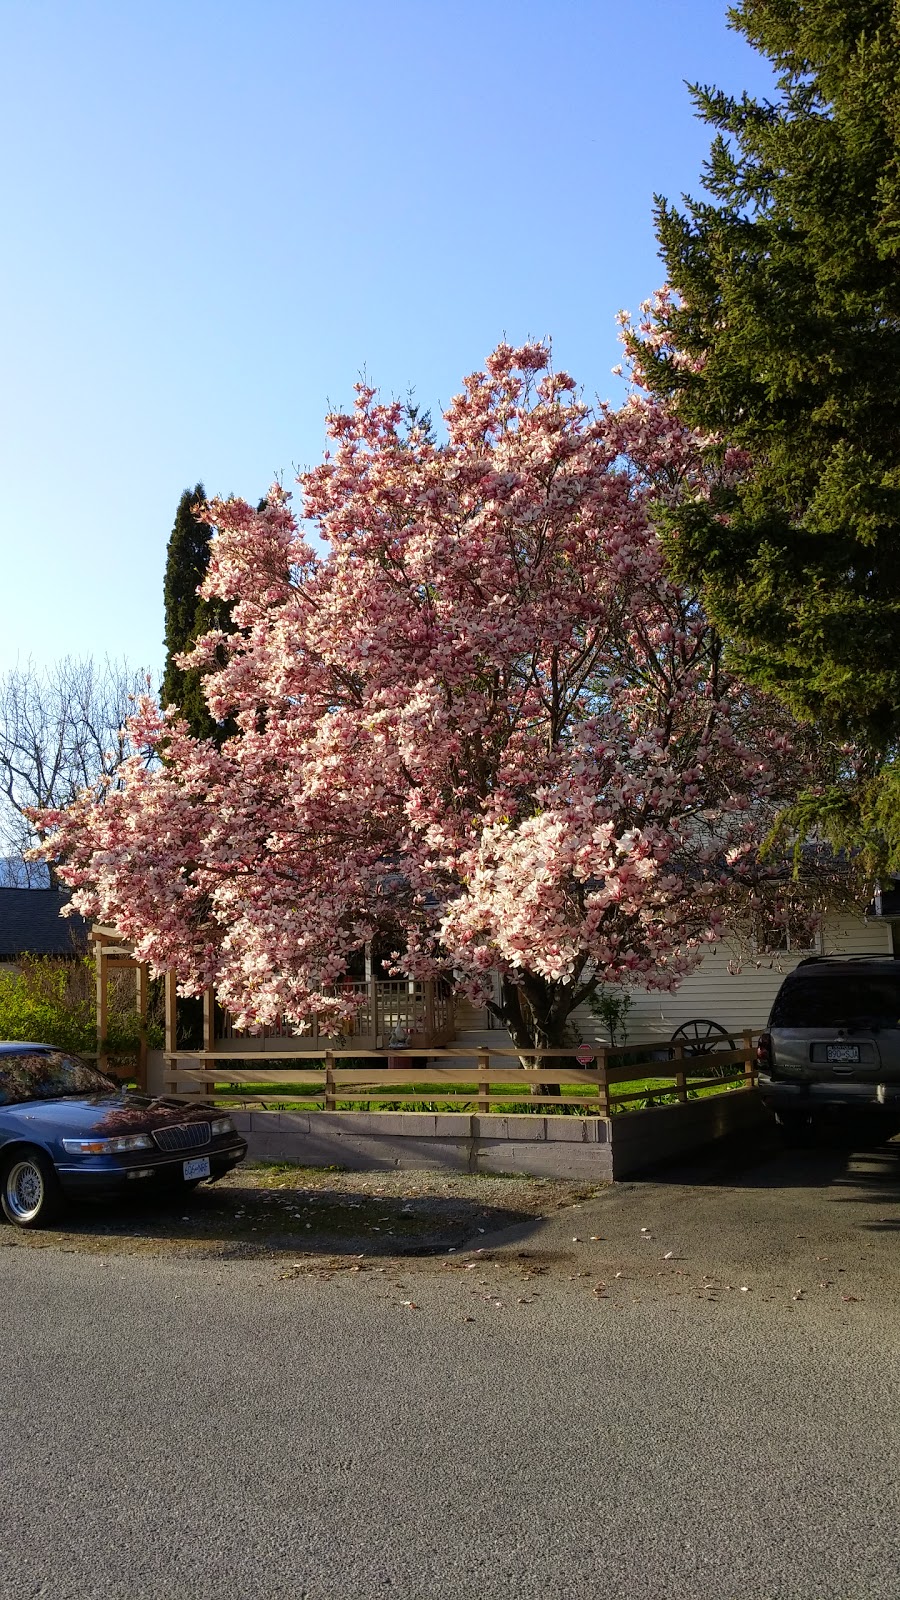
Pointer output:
x,y
788,302
187,617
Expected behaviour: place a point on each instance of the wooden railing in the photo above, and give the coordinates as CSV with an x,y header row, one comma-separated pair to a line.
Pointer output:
x,y
490,1078
381,1008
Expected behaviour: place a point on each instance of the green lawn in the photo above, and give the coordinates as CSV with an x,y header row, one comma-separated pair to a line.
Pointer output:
x,y
505,1099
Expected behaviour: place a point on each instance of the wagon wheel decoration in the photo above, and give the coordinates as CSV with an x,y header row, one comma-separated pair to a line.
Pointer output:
x,y
700,1037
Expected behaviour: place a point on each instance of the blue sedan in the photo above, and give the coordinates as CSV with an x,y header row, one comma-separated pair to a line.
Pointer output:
x,y
67,1130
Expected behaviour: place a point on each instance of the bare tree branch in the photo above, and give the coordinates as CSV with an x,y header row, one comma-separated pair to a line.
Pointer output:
x,y
61,729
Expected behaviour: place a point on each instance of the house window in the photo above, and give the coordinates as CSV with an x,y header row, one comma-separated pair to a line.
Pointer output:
x,y
791,931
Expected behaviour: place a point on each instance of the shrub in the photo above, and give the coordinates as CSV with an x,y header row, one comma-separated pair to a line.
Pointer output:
x,y
52,1002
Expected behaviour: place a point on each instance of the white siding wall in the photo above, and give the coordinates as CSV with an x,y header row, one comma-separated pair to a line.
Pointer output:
x,y
469,1017
737,999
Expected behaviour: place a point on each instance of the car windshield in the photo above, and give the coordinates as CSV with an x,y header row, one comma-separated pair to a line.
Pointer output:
x,y
47,1075
841,1000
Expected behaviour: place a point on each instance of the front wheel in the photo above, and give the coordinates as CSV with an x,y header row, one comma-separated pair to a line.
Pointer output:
x,y
30,1194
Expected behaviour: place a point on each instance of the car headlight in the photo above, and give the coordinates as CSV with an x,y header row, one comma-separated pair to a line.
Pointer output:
x,y
107,1147
221,1125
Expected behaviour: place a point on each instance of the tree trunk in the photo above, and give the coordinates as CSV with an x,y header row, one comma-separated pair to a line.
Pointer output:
x,y
535,1013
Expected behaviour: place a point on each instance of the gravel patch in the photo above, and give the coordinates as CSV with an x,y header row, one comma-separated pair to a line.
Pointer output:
x,y
273,1209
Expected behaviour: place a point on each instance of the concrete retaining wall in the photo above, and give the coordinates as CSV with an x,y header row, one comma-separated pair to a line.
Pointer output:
x,y
663,1133
595,1149
546,1147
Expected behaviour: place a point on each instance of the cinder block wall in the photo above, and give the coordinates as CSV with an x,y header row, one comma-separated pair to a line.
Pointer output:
x,y
642,1139
595,1149
546,1147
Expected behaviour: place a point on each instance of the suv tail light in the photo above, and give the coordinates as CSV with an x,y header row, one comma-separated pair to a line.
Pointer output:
x,y
764,1062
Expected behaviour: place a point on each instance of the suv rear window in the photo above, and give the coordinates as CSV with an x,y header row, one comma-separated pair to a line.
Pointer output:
x,y
839,1000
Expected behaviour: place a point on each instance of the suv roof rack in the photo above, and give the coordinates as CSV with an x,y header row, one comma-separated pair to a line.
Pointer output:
x,y
857,955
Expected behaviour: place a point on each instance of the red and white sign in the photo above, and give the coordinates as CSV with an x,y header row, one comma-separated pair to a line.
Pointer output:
x,y
584,1055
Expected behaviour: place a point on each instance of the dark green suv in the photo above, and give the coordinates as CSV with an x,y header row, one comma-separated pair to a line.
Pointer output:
x,y
833,1039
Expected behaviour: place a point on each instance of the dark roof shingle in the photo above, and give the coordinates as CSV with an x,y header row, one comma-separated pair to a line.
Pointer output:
x,y
30,924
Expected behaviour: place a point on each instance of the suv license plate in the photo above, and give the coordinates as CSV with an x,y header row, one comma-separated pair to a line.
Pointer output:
x,y
198,1168
842,1052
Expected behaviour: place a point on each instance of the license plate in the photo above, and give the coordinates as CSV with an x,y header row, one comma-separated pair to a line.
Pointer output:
x,y
842,1052
198,1168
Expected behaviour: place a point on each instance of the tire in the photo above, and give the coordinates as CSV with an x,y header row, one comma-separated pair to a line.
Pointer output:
x,y
29,1188
796,1126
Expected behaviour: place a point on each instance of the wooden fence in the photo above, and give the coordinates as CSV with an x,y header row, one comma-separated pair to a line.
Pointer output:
x,y
492,1078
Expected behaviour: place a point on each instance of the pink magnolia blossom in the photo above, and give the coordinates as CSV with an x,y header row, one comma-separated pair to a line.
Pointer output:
x,y
479,718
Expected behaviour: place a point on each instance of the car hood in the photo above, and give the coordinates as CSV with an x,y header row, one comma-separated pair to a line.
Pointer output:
x,y
107,1115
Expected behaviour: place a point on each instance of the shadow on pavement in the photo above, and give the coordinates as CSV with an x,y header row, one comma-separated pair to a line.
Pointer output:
x,y
858,1154
294,1221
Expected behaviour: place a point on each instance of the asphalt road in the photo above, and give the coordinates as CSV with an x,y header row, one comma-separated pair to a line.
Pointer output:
x,y
704,1409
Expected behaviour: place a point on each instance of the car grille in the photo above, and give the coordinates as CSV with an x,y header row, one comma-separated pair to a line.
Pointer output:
x,y
186,1136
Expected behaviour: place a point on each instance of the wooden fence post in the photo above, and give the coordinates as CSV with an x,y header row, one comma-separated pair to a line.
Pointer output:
x,y
750,1063
484,1082
102,1012
171,1016
209,1033
602,1060
680,1075
373,1011
330,1095
142,993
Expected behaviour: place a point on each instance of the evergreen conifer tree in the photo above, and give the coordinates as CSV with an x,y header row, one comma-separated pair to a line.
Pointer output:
x,y
187,616
783,337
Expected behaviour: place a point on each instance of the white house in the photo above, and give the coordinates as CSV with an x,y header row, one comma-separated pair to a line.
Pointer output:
x,y
733,986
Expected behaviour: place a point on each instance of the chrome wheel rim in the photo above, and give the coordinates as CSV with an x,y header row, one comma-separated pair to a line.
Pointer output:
x,y
25,1190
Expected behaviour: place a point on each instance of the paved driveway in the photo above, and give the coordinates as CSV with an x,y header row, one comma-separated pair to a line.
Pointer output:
x,y
707,1408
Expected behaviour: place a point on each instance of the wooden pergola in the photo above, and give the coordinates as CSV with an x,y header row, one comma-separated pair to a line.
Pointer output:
x,y
111,955
114,954
383,1000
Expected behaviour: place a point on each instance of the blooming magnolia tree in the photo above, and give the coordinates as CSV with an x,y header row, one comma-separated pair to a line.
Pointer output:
x,y
482,721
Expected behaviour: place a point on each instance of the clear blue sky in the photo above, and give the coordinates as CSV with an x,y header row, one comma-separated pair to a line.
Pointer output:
x,y
217,215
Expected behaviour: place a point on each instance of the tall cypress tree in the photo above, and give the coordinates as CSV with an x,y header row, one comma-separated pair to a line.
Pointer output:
x,y
187,616
788,301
